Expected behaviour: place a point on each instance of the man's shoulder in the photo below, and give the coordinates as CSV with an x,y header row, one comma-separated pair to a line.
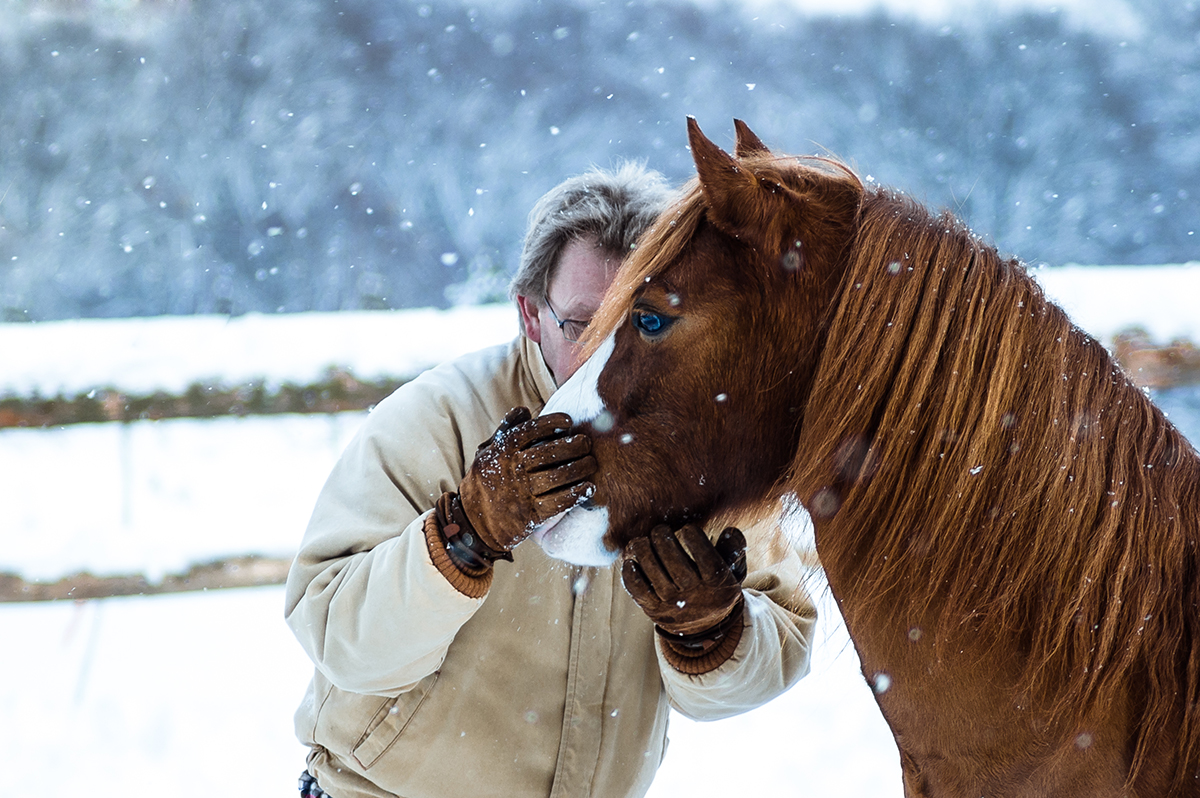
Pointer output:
x,y
492,362
469,384
492,372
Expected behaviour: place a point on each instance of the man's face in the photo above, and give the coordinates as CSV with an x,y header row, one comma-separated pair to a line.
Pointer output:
x,y
583,274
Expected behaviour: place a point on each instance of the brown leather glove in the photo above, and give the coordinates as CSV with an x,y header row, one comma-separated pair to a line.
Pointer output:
x,y
530,470
685,594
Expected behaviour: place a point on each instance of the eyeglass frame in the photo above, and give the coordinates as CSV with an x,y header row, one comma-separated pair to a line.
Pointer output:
x,y
562,323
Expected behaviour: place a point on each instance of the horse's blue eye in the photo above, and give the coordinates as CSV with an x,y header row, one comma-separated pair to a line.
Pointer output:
x,y
649,323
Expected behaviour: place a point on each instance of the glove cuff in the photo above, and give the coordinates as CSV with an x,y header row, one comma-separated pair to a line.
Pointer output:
x,y
470,582
471,575
701,652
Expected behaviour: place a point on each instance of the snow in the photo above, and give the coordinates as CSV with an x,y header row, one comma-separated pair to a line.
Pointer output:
x,y
189,694
172,352
155,497
193,694
1163,300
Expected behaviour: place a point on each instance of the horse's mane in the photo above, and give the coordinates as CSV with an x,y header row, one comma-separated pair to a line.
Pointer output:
x,y
968,435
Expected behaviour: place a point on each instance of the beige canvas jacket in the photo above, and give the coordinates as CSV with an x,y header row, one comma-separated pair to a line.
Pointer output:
x,y
551,685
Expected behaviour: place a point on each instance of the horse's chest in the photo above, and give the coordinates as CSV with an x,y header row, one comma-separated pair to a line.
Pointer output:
x,y
961,720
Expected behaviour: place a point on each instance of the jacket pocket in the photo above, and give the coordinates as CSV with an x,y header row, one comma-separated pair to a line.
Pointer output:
x,y
390,721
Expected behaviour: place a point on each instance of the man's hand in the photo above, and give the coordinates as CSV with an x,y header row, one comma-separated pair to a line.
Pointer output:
x,y
682,581
530,470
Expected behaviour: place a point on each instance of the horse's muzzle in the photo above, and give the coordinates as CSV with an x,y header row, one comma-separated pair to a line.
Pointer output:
x,y
577,536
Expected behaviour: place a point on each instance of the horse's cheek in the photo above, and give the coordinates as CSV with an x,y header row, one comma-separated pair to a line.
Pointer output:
x,y
622,386
615,480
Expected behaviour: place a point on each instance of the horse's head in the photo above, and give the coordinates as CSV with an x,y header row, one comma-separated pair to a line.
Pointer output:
x,y
702,353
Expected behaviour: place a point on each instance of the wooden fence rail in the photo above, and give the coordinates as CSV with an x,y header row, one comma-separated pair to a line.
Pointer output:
x,y
247,571
338,391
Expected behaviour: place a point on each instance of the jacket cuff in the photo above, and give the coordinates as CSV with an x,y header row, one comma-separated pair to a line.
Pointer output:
x,y
471,582
696,660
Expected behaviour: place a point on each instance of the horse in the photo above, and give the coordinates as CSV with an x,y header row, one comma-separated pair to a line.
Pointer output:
x,y
1007,523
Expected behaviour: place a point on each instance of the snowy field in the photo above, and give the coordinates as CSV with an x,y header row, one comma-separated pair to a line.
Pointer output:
x,y
192,694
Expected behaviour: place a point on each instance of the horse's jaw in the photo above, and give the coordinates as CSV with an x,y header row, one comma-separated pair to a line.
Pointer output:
x,y
578,535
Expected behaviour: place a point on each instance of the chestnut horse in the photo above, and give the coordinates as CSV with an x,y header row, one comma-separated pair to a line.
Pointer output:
x,y
1007,523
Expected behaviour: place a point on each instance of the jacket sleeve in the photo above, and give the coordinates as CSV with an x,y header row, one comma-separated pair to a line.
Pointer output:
x,y
363,597
774,651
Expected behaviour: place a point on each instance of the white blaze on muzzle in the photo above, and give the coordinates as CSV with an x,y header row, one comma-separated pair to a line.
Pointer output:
x,y
577,535
579,396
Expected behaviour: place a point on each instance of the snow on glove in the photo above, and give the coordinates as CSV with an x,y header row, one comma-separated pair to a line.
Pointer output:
x,y
688,586
530,470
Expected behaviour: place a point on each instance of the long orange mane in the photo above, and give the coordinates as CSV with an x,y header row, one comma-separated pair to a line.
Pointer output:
x,y
983,443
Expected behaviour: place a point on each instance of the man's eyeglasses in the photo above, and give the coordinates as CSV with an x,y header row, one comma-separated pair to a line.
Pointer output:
x,y
571,329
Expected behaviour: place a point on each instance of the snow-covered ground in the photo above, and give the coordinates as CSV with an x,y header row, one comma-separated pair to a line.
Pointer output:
x,y
192,694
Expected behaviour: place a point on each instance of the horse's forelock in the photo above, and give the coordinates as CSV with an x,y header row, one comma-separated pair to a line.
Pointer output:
x,y
656,250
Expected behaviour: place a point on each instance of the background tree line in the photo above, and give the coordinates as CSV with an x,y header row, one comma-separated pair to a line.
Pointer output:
x,y
228,156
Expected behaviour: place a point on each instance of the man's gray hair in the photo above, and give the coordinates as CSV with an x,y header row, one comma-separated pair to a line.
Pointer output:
x,y
614,207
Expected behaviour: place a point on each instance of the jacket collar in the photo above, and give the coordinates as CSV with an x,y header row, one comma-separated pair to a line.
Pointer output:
x,y
537,370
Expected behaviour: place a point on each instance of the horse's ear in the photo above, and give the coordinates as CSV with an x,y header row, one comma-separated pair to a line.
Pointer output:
x,y
736,198
725,185
718,170
748,143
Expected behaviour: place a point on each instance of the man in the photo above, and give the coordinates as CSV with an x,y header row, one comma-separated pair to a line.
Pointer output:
x,y
442,672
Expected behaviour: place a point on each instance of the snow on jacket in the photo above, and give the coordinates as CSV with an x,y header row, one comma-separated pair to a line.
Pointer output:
x,y
550,685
